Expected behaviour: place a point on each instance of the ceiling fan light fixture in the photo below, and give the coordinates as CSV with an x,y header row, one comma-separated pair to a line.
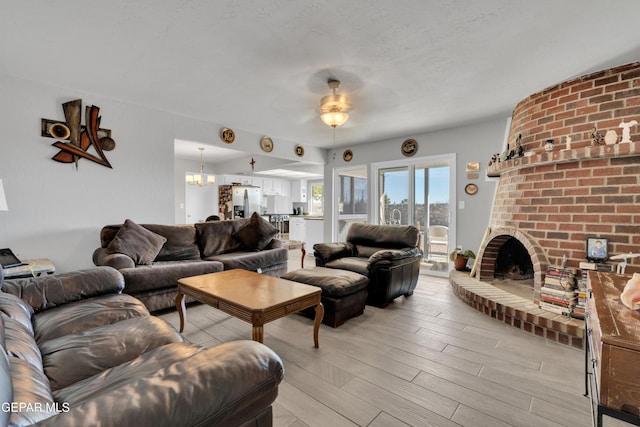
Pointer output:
x,y
334,118
334,106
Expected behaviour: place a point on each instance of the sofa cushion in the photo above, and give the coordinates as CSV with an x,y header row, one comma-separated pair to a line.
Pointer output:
x,y
145,365
31,388
251,260
137,242
20,342
216,237
15,308
181,241
357,264
165,274
72,358
76,317
50,291
257,233
383,236
335,283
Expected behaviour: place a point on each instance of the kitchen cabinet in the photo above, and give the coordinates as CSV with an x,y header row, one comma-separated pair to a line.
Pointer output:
x,y
275,187
299,190
297,229
285,187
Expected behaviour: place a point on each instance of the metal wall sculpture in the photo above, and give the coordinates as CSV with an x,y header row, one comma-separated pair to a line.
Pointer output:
x,y
74,139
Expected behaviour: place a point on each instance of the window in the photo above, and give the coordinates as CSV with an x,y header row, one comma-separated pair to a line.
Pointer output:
x,y
316,202
352,192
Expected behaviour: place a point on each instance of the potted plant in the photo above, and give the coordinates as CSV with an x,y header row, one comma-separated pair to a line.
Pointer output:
x,y
460,257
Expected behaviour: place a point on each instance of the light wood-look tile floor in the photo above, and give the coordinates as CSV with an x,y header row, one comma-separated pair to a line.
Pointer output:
x,y
426,360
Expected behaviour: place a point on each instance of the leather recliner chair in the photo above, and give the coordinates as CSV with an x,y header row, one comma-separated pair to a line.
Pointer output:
x,y
387,254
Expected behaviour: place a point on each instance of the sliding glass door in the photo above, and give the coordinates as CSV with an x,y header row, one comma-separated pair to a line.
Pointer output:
x,y
420,194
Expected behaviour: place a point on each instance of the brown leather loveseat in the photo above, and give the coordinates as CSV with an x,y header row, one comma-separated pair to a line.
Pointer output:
x,y
77,352
387,254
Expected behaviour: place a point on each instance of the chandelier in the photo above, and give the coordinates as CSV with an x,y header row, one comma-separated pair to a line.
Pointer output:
x,y
334,106
200,179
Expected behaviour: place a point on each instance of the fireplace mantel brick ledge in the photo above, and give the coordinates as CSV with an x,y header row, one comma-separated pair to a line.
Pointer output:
x,y
516,311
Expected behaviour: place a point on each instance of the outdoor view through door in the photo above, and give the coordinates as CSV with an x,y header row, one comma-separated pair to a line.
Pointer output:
x,y
419,195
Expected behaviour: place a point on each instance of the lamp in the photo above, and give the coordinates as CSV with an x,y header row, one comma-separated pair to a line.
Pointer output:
x,y
3,199
200,179
334,106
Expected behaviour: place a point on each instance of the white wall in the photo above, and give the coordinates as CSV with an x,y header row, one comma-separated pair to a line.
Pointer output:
x,y
471,143
56,211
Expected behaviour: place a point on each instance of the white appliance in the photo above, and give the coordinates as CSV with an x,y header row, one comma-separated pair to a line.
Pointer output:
x,y
246,200
279,205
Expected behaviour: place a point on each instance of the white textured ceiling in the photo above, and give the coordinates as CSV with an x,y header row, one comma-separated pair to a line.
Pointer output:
x,y
408,66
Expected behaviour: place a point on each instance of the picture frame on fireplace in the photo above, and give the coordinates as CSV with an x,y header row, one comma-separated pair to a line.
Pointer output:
x,y
597,249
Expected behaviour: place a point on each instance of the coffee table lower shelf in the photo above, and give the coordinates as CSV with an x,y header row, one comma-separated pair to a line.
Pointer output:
x,y
252,297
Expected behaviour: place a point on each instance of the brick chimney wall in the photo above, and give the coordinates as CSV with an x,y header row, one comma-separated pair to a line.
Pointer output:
x,y
553,201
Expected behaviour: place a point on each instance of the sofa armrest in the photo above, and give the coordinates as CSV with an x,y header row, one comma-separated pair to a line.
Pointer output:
x,y
325,252
53,290
390,257
223,385
117,260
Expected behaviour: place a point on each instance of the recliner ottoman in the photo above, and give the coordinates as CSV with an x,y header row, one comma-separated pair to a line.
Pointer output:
x,y
344,293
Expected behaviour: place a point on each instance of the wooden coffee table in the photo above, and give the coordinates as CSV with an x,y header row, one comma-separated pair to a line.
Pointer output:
x,y
252,297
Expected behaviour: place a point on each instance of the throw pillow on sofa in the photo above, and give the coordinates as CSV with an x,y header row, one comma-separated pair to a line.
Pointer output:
x,y
137,242
257,233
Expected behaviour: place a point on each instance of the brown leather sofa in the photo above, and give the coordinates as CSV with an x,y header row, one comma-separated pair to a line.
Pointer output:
x,y
152,257
77,352
387,254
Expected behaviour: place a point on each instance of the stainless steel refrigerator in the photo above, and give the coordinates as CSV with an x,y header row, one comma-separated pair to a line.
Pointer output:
x,y
246,200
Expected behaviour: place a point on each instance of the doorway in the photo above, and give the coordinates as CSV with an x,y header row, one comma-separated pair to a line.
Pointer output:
x,y
419,193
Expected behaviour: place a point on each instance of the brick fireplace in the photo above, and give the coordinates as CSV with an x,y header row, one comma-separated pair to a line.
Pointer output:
x,y
551,202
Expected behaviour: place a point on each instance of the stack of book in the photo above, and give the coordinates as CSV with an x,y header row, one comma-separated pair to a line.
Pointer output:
x,y
579,309
558,294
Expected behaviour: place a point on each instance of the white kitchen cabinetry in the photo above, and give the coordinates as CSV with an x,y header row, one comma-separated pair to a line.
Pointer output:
x,y
275,187
297,229
299,190
285,187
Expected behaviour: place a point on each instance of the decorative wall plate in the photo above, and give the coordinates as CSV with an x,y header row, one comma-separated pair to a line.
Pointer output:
x,y
227,135
299,150
266,144
471,189
409,147
347,155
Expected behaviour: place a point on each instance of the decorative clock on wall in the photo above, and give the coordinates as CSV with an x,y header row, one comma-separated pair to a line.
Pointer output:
x,y
471,189
227,135
347,155
409,147
299,150
266,144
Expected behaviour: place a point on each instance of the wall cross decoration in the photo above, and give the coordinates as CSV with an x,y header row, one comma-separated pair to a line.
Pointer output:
x,y
74,140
